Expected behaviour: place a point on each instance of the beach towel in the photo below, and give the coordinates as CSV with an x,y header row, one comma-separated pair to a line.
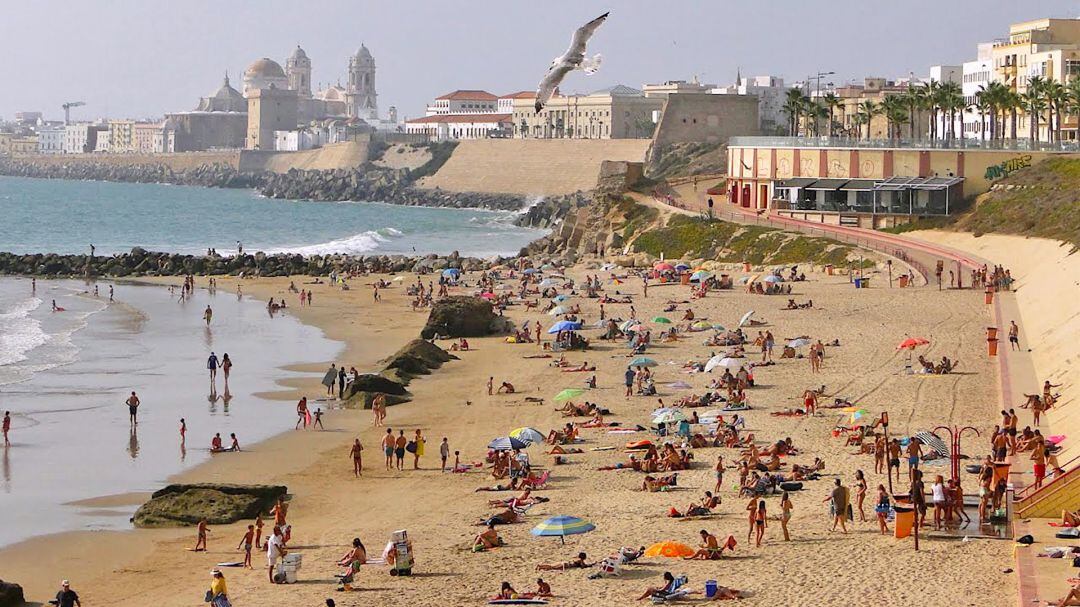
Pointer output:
x,y
517,602
231,564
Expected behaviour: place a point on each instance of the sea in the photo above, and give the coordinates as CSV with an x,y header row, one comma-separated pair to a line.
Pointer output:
x,y
65,375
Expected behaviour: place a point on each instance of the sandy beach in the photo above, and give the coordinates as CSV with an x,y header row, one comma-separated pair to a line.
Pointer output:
x,y
330,507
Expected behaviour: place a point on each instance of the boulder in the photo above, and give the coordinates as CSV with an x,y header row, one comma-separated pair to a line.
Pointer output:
x,y
461,316
11,594
418,357
369,382
181,505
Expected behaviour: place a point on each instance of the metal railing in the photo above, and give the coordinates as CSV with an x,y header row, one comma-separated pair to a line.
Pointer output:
x,y
1018,145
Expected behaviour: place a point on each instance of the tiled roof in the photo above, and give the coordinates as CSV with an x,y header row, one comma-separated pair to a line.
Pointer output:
x,y
469,95
520,95
461,118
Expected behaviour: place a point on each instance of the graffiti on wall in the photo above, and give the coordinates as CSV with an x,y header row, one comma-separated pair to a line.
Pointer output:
x,y
998,171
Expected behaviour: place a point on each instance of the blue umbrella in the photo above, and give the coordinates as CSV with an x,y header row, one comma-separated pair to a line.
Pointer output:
x,y
564,325
682,267
642,361
560,298
562,526
451,272
531,271
773,278
507,443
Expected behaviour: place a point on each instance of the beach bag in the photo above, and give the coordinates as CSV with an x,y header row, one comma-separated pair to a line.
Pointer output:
x,y
1076,561
1026,540
791,486
209,597
1066,534
410,447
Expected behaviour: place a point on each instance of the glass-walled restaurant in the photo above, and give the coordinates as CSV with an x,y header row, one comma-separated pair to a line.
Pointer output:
x,y
893,196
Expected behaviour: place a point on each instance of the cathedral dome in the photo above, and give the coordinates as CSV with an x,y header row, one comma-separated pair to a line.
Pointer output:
x,y
363,53
265,68
298,54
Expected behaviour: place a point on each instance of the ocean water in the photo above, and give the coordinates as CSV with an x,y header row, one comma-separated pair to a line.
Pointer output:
x,y
61,216
65,376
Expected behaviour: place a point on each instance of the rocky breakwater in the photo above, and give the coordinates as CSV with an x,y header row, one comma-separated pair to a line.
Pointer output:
x,y
418,357
463,316
140,262
208,175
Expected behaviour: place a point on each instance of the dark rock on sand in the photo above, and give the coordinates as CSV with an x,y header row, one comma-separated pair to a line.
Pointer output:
x,y
220,504
418,357
11,594
369,382
462,316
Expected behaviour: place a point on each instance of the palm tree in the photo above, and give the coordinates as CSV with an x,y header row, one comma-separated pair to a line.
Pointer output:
x,y
951,100
1034,105
894,108
984,105
868,109
794,105
913,96
1057,98
1072,90
816,112
932,99
832,102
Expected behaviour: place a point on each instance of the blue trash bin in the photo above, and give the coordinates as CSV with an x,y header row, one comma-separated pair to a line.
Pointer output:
x,y
710,588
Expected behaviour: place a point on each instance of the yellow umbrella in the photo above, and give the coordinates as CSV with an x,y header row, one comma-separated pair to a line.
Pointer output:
x,y
669,549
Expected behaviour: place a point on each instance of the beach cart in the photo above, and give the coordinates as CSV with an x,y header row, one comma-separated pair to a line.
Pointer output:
x,y
400,556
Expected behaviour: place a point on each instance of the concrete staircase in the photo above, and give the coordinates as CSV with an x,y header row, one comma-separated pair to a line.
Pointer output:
x,y
531,166
1062,493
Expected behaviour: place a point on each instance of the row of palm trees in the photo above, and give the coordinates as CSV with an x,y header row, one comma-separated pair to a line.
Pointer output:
x,y
938,104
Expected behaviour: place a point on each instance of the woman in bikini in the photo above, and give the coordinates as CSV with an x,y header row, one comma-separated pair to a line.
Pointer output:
x,y
785,514
882,508
860,493
760,522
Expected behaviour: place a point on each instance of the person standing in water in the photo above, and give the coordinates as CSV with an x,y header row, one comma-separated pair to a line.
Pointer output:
x,y
226,365
133,403
7,427
208,315
212,366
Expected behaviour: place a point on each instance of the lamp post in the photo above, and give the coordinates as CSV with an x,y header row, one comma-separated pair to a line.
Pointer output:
x,y
817,78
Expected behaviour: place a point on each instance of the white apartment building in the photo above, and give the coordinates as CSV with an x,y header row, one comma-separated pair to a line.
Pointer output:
x,y
977,75
770,91
51,140
464,101
82,138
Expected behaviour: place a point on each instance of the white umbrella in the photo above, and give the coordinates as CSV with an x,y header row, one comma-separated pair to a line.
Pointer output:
x,y
669,417
801,342
547,282
725,362
746,318
557,310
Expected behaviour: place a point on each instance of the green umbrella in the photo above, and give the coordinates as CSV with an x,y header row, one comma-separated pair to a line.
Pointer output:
x,y
662,320
567,394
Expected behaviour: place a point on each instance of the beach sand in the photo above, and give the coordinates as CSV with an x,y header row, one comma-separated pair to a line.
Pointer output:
x,y
330,507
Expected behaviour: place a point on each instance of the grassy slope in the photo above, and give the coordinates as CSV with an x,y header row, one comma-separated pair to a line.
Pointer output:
x,y
691,237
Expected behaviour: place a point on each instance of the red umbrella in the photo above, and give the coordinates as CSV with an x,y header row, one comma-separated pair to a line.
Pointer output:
x,y
911,342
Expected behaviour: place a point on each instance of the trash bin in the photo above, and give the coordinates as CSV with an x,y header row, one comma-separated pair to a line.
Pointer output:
x,y
905,520
829,269
858,283
684,278
992,345
1001,472
989,295
746,266
991,332
710,588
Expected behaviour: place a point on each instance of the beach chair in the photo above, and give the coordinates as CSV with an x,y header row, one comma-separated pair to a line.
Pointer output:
x,y
536,483
678,591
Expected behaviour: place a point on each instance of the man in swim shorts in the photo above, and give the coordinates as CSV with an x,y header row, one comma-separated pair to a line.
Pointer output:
x,y
388,444
914,453
399,448
133,403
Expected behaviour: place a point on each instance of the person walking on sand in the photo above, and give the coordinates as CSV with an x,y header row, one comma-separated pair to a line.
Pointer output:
x,y
341,382
629,376
212,365
444,453
357,455
719,473
1014,336
491,386
881,508
318,419
133,403
66,597
388,443
418,449
208,314
258,530
785,514
838,505
7,427
860,493
377,405
914,454
329,378
301,413
200,540
246,543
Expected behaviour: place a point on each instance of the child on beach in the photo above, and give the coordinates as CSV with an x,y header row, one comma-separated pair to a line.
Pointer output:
x,y
318,419
246,543
258,530
444,453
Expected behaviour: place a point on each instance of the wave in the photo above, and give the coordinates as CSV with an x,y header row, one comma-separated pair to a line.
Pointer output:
x,y
352,245
19,333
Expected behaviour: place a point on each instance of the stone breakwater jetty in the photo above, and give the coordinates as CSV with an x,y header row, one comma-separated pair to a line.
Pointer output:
x,y
368,182
140,262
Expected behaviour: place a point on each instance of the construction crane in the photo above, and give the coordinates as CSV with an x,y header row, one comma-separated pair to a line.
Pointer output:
x,y
67,109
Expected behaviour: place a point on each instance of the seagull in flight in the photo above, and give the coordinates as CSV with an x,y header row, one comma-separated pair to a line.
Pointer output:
x,y
573,59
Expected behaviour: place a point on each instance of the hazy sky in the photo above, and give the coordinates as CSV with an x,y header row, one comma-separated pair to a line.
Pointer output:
x,y
140,58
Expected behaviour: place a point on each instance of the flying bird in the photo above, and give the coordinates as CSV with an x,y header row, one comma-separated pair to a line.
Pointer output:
x,y
572,59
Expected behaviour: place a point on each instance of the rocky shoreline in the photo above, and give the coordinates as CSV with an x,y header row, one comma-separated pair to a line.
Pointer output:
x,y
368,182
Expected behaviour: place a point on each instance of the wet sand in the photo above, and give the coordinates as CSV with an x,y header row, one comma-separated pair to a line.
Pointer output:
x,y
330,506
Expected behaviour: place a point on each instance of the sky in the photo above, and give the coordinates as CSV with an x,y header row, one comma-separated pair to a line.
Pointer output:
x,y
143,58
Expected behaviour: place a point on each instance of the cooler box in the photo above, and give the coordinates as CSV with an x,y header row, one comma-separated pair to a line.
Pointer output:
x,y
290,564
905,521
710,588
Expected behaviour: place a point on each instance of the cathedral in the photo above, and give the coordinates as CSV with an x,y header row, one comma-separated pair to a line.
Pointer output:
x,y
357,99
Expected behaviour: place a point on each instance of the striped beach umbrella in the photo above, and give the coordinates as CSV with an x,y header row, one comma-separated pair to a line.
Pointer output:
x,y
562,526
507,443
529,435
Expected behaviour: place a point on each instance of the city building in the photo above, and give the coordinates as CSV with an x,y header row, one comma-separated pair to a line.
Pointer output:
x,y
704,118
298,73
225,99
618,112
505,105
121,136
463,102
27,118
975,77
103,145
24,145
5,143
51,140
82,138
1047,48
263,74
219,121
770,91
270,109
442,127
675,86
153,138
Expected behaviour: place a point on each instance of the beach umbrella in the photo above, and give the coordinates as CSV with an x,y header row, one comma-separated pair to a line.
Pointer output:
x,y
448,272
911,343
700,275
858,414
487,295
564,325
557,310
642,361
681,267
662,320
560,298
773,278
933,441
679,385
547,282
507,443
567,394
663,266
702,324
628,324
725,362
399,279
670,549
562,526
718,327
528,435
530,271
669,417
746,318
801,342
